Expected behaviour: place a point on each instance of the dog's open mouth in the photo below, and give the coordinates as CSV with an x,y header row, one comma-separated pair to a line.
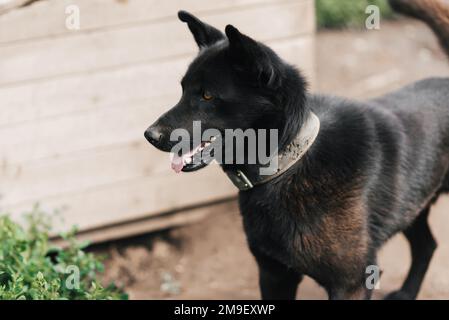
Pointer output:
x,y
195,159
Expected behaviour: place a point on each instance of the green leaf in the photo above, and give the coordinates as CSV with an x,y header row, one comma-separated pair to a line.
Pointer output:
x,y
28,272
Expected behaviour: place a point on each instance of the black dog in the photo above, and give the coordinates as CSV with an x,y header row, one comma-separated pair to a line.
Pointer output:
x,y
374,169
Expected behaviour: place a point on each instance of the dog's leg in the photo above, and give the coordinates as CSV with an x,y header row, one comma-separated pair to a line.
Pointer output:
x,y
422,246
277,282
354,287
360,293
352,290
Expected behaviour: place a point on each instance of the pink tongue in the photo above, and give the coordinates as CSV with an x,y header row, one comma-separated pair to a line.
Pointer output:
x,y
177,162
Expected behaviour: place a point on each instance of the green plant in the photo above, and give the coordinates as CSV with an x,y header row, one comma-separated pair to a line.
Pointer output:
x,y
31,268
347,13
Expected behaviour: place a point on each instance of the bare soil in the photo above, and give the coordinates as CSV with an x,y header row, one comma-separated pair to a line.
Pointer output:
x,y
210,259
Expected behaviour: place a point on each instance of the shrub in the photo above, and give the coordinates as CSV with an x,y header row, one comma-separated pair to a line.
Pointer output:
x,y
30,268
347,13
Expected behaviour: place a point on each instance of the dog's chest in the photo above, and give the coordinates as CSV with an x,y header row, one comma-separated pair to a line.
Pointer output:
x,y
283,240
306,237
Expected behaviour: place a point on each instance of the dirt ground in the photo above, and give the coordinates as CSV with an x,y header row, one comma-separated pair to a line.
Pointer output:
x,y
210,260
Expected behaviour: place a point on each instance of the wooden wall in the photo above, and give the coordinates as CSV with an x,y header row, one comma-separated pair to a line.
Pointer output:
x,y
74,104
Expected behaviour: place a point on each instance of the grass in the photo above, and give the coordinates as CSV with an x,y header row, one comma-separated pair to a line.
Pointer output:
x,y
348,13
32,269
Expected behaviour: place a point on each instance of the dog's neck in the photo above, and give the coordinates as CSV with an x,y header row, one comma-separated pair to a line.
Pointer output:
x,y
246,177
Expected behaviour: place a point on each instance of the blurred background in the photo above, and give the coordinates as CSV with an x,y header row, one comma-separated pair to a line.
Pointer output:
x,y
75,100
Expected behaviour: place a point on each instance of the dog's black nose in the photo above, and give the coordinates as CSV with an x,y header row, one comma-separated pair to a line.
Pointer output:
x,y
154,135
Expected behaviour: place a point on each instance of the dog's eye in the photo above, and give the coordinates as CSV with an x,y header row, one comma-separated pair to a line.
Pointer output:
x,y
207,96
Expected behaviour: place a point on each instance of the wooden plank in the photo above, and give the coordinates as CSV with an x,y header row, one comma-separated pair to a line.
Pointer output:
x,y
84,52
80,171
30,102
153,223
45,19
108,164
106,125
81,131
100,165
134,199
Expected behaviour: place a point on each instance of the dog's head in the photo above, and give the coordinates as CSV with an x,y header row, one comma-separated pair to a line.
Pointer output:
x,y
235,82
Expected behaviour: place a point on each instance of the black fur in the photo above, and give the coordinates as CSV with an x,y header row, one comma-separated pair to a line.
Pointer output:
x,y
373,171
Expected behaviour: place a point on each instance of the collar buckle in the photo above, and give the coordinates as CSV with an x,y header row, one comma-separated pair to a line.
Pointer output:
x,y
240,180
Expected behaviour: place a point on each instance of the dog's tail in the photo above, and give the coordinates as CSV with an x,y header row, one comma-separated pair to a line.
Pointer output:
x,y
435,13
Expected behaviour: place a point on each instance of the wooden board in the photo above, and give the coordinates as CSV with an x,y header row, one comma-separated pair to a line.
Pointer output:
x,y
111,88
138,44
153,223
47,164
134,198
102,124
46,19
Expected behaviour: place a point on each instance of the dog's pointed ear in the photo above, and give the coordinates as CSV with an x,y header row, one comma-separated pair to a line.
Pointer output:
x,y
204,34
250,53
238,41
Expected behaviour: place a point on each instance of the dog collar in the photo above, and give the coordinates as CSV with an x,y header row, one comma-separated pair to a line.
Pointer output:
x,y
294,151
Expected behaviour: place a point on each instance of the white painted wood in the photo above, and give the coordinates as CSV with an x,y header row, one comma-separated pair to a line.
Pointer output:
x,y
111,162
29,102
79,171
119,123
135,198
151,223
138,44
118,87
46,19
